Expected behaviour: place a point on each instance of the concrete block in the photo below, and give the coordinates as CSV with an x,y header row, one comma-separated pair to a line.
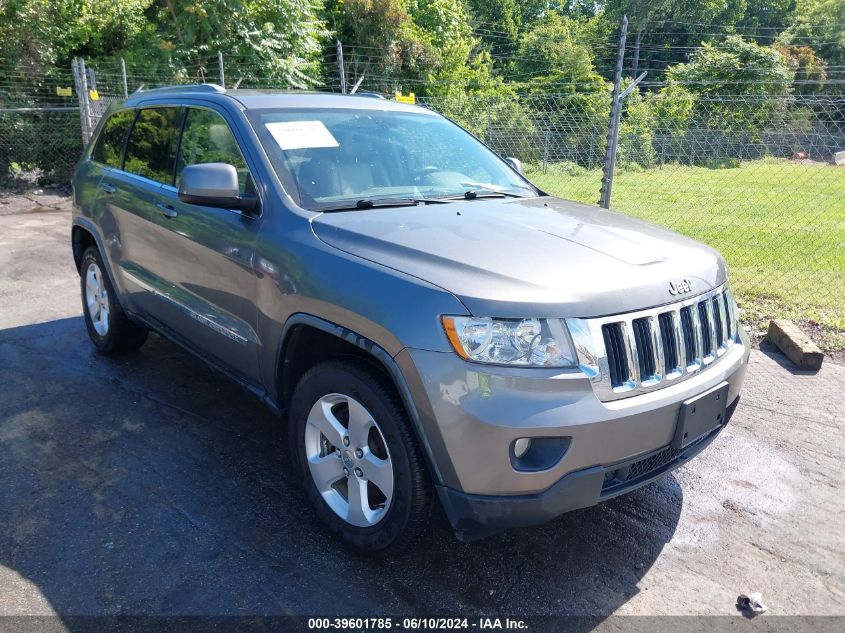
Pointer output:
x,y
839,158
797,346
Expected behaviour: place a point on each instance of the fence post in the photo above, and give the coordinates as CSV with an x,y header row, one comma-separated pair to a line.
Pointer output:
x,y
545,150
613,126
123,77
340,69
220,68
81,84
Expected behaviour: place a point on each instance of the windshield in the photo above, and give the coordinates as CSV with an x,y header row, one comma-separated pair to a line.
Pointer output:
x,y
334,158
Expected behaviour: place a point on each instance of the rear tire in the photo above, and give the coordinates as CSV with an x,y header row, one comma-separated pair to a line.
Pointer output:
x,y
109,328
344,401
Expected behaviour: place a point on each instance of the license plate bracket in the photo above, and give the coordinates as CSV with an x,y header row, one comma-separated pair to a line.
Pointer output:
x,y
700,415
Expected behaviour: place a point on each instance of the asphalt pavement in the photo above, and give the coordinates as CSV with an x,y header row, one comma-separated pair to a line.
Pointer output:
x,y
150,485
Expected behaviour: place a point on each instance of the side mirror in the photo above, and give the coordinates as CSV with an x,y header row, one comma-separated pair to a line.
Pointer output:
x,y
515,163
214,185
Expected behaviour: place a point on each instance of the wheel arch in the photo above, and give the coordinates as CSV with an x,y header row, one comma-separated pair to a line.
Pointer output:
x,y
307,340
82,239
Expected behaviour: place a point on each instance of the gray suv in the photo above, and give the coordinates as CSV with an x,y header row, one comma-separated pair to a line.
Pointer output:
x,y
431,324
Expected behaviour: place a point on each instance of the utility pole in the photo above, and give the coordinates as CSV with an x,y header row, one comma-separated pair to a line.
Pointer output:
x,y
613,128
220,68
340,68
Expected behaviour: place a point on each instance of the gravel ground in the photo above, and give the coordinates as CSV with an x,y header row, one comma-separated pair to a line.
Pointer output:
x,y
151,485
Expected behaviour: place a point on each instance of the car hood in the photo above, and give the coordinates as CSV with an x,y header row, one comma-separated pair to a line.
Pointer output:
x,y
528,257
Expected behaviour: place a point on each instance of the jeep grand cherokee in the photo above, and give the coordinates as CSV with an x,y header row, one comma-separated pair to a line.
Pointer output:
x,y
431,325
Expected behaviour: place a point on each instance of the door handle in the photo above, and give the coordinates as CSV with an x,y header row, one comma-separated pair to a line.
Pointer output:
x,y
166,210
108,187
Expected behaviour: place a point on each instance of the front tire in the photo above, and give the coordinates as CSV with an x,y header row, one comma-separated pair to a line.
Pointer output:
x,y
109,328
361,466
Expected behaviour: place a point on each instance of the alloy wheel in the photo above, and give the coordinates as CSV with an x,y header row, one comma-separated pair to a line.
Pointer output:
x,y
97,299
348,460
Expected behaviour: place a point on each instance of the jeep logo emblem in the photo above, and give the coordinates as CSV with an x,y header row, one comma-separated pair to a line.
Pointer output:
x,y
680,287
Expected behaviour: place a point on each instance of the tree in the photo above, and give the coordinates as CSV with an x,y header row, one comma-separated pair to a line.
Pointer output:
x,y
38,34
554,48
734,67
661,31
276,41
400,44
810,69
819,24
739,87
499,22
765,19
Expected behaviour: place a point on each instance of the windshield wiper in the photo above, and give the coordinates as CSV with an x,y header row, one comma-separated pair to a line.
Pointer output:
x,y
481,192
371,203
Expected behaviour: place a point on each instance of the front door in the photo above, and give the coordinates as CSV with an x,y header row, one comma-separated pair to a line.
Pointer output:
x,y
207,254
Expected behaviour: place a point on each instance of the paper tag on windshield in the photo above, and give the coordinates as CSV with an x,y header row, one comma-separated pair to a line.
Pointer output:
x,y
301,134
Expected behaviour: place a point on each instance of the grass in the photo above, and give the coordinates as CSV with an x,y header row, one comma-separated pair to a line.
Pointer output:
x,y
780,224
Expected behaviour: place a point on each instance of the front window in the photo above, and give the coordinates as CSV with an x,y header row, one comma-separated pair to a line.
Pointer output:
x,y
208,139
328,157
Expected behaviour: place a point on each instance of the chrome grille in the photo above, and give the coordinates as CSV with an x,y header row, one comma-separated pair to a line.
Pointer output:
x,y
617,359
632,353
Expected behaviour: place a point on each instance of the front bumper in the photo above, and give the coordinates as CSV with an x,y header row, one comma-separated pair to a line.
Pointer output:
x,y
477,516
471,415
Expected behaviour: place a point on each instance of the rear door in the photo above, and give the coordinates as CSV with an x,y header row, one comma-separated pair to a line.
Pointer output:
x,y
208,252
96,191
148,164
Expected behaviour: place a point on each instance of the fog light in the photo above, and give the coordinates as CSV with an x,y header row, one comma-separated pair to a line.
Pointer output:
x,y
521,446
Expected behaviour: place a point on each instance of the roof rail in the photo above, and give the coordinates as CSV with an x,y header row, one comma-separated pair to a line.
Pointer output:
x,y
371,95
184,88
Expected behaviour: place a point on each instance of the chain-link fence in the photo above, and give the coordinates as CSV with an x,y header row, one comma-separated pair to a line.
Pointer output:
x,y
38,145
754,176
40,137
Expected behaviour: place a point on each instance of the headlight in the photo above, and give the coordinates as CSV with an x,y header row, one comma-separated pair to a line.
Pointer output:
x,y
522,342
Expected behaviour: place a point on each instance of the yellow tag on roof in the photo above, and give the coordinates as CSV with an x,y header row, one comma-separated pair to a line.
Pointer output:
x,y
410,98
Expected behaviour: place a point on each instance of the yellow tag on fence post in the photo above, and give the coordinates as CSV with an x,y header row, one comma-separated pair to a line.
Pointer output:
x,y
410,98
64,92
95,96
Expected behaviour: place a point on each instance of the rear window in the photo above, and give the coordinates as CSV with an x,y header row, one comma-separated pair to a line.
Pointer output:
x,y
109,147
151,151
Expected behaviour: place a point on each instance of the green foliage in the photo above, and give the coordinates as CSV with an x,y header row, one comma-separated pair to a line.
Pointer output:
x,y
764,15
671,107
635,132
810,70
277,41
482,103
553,48
501,22
403,44
38,144
738,86
821,25
37,34
734,67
